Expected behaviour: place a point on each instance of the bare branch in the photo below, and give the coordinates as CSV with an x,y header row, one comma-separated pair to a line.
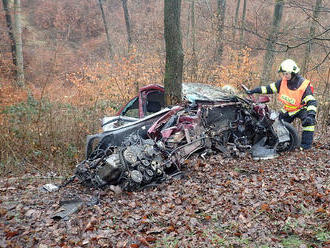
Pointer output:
x,y
311,16
319,64
294,4
305,42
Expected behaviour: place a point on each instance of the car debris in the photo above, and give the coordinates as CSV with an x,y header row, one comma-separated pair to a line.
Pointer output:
x,y
67,208
49,187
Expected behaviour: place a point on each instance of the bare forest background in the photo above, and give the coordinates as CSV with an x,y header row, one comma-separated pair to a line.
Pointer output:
x,y
77,61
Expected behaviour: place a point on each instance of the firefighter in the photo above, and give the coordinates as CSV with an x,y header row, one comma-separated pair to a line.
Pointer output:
x,y
296,93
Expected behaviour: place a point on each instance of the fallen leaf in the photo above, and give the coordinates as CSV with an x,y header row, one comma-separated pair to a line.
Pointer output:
x,y
207,217
170,229
265,207
150,239
320,210
9,234
90,225
3,211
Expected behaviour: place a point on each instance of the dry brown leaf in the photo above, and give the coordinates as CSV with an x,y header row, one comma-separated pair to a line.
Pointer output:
x,y
265,207
320,210
9,234
207,217
3,212
150,239
170,229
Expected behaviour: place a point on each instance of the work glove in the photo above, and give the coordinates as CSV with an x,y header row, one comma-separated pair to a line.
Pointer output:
x,y
308,121
250,92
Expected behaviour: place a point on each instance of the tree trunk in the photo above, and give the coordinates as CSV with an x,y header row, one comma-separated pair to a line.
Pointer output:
x,y
10,31
221,10
174,52
128,24
236,19
309,45
106,31
241,36
19,45
192,24
272,38
193,41
188,40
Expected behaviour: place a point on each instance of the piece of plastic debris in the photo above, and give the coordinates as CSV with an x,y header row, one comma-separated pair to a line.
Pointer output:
x,y
50,187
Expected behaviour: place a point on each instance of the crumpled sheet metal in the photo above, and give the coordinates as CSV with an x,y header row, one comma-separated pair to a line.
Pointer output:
x,y
261,152
68,208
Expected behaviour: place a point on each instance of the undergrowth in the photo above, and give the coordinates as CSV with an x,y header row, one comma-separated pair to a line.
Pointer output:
x,y
44,136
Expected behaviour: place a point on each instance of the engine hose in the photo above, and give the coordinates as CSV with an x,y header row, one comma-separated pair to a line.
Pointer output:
x,y
175,174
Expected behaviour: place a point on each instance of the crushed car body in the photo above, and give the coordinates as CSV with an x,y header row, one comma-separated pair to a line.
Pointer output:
x,y
152,147
142,110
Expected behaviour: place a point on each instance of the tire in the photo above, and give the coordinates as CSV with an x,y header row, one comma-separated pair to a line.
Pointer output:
x,y
294,141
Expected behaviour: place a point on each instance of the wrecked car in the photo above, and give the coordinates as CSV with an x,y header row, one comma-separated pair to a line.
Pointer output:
x,y
149,150
142,110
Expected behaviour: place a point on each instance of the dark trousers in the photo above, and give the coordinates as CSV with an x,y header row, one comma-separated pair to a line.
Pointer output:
x,y
308,130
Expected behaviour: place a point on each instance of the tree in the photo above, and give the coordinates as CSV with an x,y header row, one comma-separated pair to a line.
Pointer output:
x,y
221,10
174,52
192,39
106,30
271,42
19,44
236,19
308,48
241,37
128,24
10,31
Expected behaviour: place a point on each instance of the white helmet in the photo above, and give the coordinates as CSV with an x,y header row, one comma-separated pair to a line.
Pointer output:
x,y
288,65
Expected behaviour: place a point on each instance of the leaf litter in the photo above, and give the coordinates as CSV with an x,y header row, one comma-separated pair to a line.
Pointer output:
x,y
220,202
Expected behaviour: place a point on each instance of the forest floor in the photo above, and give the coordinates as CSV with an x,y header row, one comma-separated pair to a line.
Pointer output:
x,y
282,202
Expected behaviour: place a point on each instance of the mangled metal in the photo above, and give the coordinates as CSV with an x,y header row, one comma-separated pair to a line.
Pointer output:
x,y
133,157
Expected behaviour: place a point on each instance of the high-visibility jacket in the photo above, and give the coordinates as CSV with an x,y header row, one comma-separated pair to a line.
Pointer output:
x,y
308,100
292,98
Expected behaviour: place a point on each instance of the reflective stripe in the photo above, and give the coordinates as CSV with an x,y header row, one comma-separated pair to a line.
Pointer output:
x,y
309,108
292,110
263,90
273,87
309,128
290,107
291,113
309,98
